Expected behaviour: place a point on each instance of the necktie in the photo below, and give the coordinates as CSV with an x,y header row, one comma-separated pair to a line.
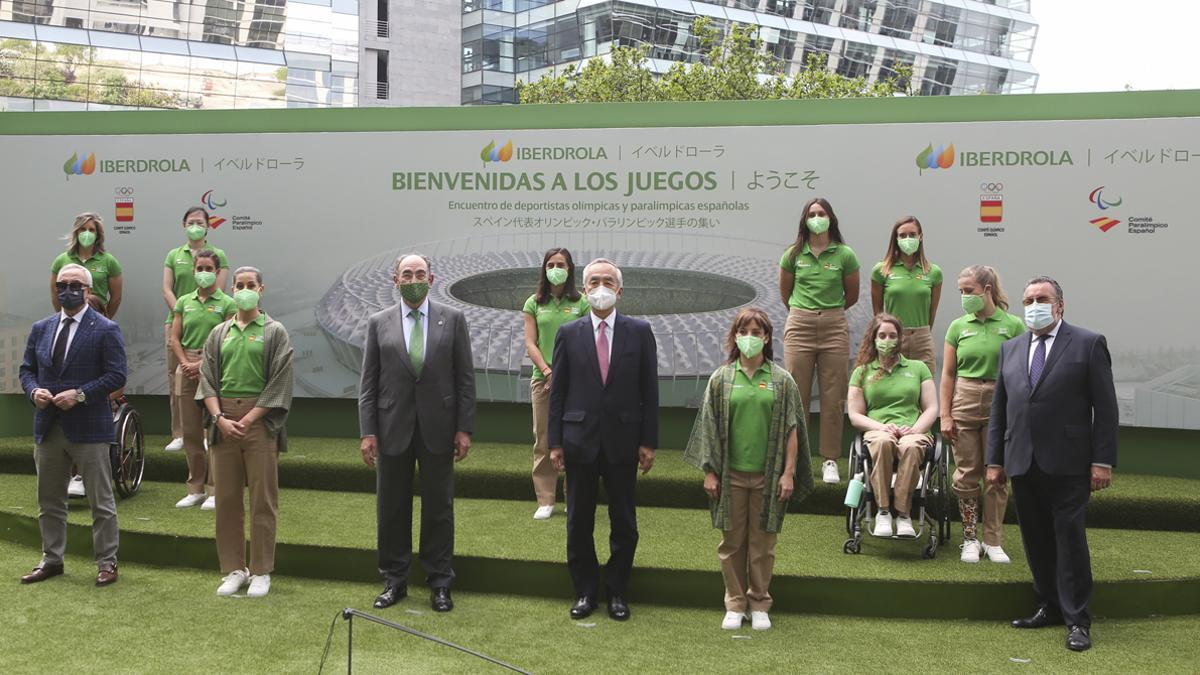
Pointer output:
x,y
602,352
1039,361
60,343
416,342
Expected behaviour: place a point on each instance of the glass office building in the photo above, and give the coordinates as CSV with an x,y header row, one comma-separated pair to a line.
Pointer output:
x,y
197,54
952,46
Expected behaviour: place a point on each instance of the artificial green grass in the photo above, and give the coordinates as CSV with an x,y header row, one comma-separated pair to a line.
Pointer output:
x,y
158,620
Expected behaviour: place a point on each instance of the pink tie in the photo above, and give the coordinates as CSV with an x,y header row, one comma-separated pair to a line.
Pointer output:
x,y
602,352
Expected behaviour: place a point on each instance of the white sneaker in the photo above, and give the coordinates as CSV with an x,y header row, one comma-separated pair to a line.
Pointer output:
x,y
233,582
829,472
996,554
883,525
733,620
543,512
175,445
75,487
260,585
760,621
210,504
970,551
904,528
190,501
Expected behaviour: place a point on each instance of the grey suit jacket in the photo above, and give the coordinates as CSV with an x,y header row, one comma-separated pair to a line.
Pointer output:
x,y
392,399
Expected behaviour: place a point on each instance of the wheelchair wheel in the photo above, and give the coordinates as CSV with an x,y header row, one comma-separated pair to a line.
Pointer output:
x,y
851,546
929,552
943,498
128,452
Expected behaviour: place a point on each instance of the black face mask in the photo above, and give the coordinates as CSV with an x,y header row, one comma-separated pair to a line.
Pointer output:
x,y
71,299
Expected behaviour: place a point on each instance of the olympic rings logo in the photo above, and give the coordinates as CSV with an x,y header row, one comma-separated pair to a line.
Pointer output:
x,y
124,191
991,187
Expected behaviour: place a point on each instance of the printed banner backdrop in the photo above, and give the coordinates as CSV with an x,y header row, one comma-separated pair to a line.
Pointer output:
x,y
697,217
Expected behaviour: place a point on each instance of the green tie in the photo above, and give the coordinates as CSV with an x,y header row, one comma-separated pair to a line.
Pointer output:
x,y
416,342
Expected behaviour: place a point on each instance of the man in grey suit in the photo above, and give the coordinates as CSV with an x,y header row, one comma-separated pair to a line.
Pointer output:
x,y
416,405
1054,430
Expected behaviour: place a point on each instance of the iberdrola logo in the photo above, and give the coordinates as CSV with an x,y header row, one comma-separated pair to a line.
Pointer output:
x,y
80,167
493,154
940,158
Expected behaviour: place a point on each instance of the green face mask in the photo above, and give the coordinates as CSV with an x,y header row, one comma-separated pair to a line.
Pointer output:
x,y
556,275
206,279
908,244
196,232
86,238
971,304
246,299
818,224
749,345
885,347
414,293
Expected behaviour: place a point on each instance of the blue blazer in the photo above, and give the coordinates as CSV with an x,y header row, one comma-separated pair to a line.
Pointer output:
x,y
588,416
95,364
1069,421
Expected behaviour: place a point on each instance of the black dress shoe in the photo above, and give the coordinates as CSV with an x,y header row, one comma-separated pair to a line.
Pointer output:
x,y
583,607
617,608
1079,638
440,600
392,593
1040,619
42,573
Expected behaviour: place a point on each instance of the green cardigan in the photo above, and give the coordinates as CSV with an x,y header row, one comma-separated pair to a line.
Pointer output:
x,y
708,447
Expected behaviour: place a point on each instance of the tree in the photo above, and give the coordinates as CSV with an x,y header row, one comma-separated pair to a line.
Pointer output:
x,y
733,66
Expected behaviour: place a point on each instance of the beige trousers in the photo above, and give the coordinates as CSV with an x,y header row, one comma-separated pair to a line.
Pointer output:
x,y
885,451
970,409
746,552
545,476
191,417
820,340
918,344
251,461
172,386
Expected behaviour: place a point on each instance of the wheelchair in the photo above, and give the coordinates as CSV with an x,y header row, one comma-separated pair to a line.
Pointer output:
x,y
931,500
127,452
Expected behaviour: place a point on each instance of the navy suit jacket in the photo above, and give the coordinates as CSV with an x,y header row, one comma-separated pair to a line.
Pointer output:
x,y
588,416
95,364
1069,421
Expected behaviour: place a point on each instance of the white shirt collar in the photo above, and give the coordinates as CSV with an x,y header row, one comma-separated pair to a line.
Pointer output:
x,y
78,318
611,320
1049,336
423,309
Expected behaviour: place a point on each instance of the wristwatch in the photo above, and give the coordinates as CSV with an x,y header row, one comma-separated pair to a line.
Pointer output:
x,y
80,397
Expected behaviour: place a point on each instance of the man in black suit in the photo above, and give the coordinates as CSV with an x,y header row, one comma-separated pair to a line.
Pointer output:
x,y
1054,430
603,424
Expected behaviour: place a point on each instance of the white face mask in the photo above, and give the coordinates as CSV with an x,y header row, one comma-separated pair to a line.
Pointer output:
x,y
601,298
1039,315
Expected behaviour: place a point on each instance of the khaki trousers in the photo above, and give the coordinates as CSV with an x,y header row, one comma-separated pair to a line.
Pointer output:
x,y
191,417
172,386
251,461
970,409
820,340
918,344
53,458
545,476
885,451
747,552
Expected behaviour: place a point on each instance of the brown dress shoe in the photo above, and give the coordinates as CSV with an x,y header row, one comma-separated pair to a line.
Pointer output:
x,y
42,573
106,576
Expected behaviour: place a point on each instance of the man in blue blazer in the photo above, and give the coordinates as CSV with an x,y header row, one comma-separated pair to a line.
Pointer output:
x,y
73,360
1054,430
603,424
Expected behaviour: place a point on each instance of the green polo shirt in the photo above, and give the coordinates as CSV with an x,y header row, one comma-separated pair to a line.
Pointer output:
x,y
199,317
750,403
242,360
103,267
977,342
908,291
550,317
819,282
892,398
179,261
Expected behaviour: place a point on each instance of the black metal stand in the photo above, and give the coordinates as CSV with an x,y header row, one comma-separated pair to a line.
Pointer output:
x,y
349,613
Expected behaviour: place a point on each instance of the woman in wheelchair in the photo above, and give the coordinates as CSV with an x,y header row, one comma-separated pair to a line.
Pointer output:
x,y
893,401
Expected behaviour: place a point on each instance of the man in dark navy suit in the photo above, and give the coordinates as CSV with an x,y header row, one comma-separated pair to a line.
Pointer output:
x,y
73,360
1054,430
603,425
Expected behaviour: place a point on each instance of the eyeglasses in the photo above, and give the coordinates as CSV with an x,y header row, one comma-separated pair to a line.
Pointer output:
x,y
75,286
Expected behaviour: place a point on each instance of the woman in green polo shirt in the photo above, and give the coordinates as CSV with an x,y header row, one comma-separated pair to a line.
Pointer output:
x,y
85,246
196,315
970,363
893,401
246,386
749,439
556,302
178,280
907,286
818,280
